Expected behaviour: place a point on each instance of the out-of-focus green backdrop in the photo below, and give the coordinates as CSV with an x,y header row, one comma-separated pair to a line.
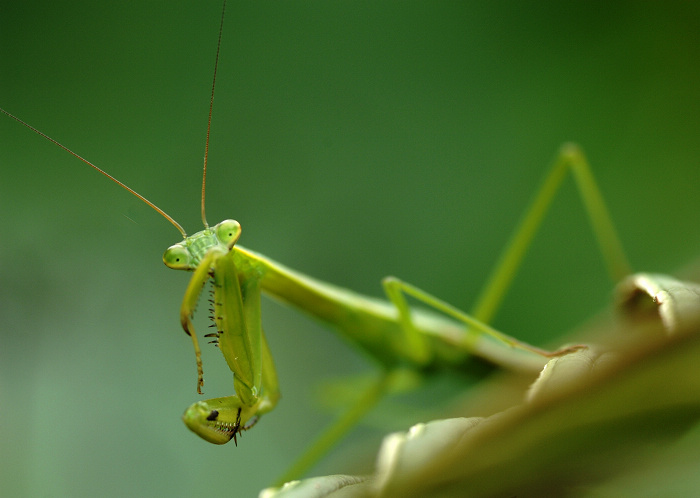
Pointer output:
x,y
352,140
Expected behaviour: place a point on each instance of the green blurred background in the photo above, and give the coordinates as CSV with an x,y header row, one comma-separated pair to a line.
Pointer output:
x,y
352,140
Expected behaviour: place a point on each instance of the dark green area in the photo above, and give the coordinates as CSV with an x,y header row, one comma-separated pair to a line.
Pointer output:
x,y
351,140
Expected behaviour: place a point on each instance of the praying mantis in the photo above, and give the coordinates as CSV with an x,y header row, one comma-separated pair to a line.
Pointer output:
x,y
311,271
396,335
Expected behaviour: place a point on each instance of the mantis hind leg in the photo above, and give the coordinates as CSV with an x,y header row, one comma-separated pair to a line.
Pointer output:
x,y
570,159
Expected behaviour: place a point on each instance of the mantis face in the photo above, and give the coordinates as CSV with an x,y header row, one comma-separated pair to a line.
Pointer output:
x,y
187,255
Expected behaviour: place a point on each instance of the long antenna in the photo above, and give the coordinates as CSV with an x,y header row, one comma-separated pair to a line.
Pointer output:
x,y
159,210
211,107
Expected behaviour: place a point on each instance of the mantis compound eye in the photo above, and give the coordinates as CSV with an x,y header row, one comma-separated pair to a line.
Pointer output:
x,y
177,257
228,232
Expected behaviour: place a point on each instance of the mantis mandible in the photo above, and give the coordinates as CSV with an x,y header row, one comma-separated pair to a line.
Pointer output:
x,y
391,331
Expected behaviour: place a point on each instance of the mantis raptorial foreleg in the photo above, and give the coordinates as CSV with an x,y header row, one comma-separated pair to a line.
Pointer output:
x,y
218,420
239,335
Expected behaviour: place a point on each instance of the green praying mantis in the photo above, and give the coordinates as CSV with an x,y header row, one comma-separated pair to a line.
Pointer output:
x,y
397,335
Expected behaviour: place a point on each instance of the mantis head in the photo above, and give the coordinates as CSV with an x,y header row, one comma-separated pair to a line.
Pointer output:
x,y
187,255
